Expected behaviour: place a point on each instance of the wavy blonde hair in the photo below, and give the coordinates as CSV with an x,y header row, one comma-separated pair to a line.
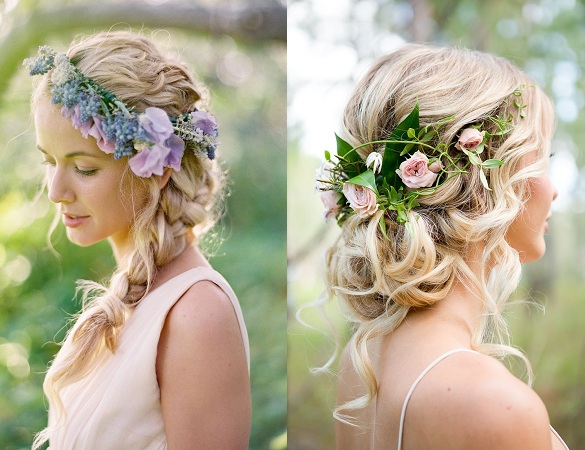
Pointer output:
x,y
131,67
381,279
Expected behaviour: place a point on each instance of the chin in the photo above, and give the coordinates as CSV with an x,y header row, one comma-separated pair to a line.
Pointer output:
x,y
80,240
532,254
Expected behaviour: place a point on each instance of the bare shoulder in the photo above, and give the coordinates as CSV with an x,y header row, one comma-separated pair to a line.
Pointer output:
x,y
202,330
202,372
203,311
481,405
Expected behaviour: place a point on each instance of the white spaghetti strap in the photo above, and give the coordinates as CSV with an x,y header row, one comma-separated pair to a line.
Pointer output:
x,y
421,376
559,437
414,385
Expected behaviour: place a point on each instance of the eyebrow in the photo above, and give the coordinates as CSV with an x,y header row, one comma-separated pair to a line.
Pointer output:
x,y
73,154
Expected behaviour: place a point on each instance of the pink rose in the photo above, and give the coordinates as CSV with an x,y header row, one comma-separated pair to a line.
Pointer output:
x,y
330,199
470,138
436,166
415,171
361,199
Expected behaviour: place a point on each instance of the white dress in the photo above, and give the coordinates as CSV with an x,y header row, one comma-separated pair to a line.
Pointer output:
x,y
117,406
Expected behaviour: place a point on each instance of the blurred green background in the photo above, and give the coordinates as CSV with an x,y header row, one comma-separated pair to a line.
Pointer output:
x,y
328,50
238,49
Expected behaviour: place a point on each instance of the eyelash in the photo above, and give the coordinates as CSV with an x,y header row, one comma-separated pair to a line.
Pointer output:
x,y
85,173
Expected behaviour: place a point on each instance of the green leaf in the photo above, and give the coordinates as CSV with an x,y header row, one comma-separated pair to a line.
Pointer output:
x,y
483,179
480,147
343,148
366,179
350,161
327,155
412,202
492,163
427,137
474,159
410,228
410,133
383,226
402,217
407,148
392,151
393,195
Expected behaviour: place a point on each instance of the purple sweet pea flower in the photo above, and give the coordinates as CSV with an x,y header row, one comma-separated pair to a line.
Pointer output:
x,y
74,114
156,125
150,160
176,146
97,132
205,122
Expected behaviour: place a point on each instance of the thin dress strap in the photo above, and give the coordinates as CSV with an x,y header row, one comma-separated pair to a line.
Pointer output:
x,y
415,384
559,437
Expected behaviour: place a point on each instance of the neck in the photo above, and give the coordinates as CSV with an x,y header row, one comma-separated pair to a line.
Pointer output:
x,y
458,315
122,250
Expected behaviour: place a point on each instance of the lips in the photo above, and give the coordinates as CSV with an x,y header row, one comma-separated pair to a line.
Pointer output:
x,y
74,220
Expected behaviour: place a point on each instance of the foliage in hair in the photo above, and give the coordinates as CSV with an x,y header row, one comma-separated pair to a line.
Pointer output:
x,y
413,163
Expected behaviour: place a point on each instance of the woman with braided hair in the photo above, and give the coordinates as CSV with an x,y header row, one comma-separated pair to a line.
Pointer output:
x,y
157,358
440,188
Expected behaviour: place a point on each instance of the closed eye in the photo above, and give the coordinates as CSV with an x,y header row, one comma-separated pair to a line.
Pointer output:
x,y
86,173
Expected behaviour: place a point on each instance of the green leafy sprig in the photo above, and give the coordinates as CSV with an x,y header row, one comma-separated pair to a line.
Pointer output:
x,y
407,140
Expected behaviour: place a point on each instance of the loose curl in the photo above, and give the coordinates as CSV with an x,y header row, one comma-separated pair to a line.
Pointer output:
x,y
190,203
380,279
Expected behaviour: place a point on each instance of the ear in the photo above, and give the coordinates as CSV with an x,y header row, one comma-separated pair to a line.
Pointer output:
x,y
164,179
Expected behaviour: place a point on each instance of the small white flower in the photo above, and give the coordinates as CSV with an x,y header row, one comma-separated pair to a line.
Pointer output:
x,y
63,70
374,162
322,175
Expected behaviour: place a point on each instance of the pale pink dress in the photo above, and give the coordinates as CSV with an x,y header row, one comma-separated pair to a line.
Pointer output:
x,y
117,407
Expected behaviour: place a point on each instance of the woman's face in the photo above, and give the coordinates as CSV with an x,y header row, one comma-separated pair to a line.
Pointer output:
x,y
526,234
87,184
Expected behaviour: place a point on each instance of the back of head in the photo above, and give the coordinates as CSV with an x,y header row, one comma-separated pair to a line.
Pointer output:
x,y
381,272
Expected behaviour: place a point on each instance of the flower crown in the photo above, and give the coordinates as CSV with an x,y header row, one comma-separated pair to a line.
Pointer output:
x,y
153,140
395,178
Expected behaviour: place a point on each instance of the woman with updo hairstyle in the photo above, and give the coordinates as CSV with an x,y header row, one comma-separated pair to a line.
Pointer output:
x,y
158,357
441,191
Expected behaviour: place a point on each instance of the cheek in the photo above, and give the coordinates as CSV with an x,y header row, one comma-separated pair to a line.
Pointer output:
x,y
542,195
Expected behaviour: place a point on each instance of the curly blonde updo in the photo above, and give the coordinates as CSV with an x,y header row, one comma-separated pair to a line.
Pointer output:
x,y
131,67
380,279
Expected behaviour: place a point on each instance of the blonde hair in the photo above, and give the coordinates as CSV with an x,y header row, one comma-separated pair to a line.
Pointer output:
x,y
380,279
131,67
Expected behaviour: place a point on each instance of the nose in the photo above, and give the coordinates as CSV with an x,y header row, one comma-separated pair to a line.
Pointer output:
x,y
58,187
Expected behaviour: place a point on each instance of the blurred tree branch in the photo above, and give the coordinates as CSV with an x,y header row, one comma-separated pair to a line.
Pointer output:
x,y
422,23
260,22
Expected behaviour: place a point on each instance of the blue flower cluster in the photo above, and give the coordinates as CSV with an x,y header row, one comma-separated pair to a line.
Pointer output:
x,y
124,130
43,63
67,94
89,106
